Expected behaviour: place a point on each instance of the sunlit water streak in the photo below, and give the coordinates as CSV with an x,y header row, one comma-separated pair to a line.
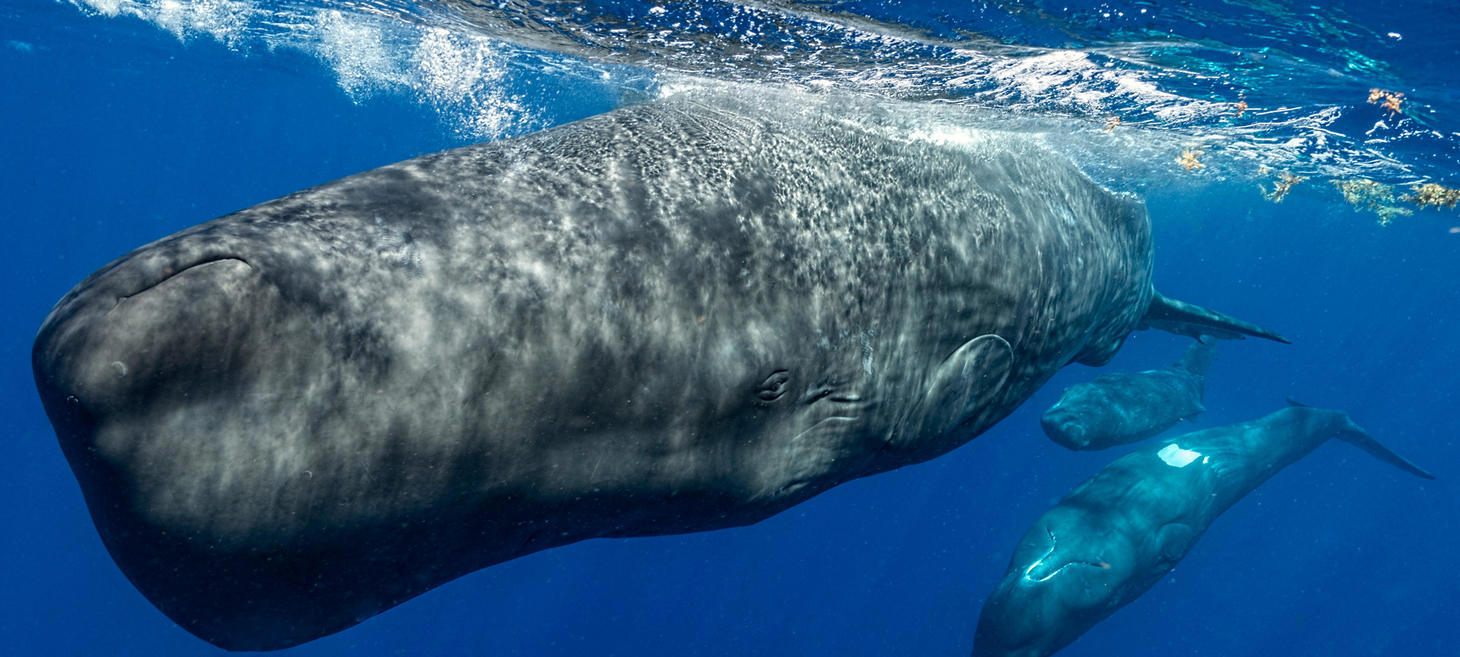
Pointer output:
x,y
1249,91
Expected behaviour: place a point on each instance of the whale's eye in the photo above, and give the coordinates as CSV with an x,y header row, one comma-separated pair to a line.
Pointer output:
x,y
774,387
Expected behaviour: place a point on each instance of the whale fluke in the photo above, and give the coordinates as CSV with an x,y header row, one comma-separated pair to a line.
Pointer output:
x,y
1356,436
1361,439
1195,321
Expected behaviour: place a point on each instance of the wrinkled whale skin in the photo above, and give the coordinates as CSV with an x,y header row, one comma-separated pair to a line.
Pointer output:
x,y
678,316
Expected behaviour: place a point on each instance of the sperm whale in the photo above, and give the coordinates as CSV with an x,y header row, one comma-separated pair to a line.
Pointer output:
x,y
1118,533
679,316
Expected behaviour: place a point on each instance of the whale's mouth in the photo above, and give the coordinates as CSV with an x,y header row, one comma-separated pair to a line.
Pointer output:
x,y
1040,571
207,267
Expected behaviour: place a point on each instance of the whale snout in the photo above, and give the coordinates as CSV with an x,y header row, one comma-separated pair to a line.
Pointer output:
x,y
1065,428
138,331
142,369
155,372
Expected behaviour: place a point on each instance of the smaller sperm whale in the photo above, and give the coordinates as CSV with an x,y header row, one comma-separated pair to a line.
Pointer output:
x,y
1117,409
1119,532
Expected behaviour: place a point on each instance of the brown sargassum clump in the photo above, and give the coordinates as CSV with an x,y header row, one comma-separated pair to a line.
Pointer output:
x,y
1373,196
1433,194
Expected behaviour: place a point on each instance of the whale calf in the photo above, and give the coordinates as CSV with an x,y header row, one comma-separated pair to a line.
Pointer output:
x,y
679,316
1117,409
1121,531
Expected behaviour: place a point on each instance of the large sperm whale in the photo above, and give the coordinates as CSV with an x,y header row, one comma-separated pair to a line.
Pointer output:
x,y
1117,409
675,317
1118,533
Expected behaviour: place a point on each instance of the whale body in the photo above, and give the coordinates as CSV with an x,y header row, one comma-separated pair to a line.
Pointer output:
x,y
1118,409
1118,533
679,316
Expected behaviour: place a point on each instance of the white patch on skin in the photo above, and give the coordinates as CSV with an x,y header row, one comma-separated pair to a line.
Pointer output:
x,y
1177,457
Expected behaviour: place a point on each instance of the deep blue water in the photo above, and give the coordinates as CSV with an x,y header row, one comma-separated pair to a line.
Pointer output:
x,y
114,132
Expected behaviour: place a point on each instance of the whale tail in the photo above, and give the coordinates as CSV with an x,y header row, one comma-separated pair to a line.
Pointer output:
x,y
1361,439
1355,435
1195,321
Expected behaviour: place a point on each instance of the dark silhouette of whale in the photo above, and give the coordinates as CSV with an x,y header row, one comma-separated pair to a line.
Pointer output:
x,y
676,317
1121,531
1117,409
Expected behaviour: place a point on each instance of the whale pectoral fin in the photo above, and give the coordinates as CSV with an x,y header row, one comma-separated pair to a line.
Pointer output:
x,y
1195,321
965,384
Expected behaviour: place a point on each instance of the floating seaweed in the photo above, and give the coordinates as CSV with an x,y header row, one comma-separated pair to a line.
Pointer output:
x,y
1188,160
1432,194
1280,188
1368,195
1389,100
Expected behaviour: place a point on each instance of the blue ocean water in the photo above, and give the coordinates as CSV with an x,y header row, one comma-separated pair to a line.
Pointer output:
x,y
122,121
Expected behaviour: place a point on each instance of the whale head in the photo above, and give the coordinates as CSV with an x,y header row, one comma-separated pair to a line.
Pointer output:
x,y
1064,579
1067,426
1085,416
168,376
290,419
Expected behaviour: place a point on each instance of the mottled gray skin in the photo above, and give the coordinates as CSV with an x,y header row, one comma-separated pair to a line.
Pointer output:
x,y
674,317
1121,531
1118,409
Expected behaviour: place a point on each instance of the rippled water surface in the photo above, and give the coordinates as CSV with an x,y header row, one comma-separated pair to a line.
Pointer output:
x,y
1257,87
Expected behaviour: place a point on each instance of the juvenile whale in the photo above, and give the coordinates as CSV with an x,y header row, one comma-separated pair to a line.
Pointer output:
x,y
675,317
1121,531
1116,409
